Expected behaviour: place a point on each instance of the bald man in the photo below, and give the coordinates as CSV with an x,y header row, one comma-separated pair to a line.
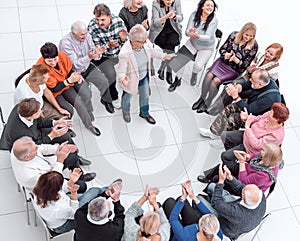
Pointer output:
x,y
236,215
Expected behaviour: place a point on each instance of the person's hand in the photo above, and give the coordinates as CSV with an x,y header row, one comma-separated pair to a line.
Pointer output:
x,y
73,189
125,80
188,188
171,14
184,193
145,24
251,68
113,43
228,173
232,57
241,156
248,121
75,77
63,122
232,90
115,191
152,193
228,55
93,55
100,50
63,150
222,174
75,174
57,131
123,35
169,56
244,115
64,112
193,33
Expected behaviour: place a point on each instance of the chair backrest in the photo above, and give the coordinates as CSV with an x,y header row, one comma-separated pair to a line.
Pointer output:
x,y
21,76
218,35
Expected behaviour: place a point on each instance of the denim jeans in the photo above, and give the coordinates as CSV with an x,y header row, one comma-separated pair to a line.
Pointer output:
x,y
83,198
143,89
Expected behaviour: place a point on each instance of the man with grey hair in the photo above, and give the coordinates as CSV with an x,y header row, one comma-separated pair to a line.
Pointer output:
x,y
92,219
236,215
83,53
29,161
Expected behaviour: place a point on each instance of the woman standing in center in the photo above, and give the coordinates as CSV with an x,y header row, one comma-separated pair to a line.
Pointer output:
x,y
165,30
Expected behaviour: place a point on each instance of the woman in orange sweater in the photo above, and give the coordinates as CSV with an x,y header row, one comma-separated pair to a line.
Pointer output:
x,y
68,87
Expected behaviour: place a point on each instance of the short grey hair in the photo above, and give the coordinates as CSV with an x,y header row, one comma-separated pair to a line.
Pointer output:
x,y
138,33
253,196
97,209
78,25
21,146
264,76
127,3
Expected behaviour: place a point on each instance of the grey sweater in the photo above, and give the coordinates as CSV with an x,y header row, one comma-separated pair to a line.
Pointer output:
x,y
207,38
131,228
235,218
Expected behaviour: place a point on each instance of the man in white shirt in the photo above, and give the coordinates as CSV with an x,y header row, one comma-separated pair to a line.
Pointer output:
x,y
29,161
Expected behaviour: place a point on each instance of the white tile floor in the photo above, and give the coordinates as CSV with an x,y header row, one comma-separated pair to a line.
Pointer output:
x,y
162,155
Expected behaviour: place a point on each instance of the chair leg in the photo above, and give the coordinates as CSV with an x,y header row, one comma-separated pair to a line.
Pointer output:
x,y
260,225
27,200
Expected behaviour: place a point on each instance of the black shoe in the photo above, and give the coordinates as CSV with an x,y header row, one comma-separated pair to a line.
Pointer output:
x,y
169,78
126,117
95,130
202,108
161,71
83,161
175,84
108,106
88,176
198,104
149,119
91,115
193,79
203,179
72,133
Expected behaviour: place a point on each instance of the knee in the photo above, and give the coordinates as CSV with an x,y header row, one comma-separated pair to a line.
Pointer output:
x,y
169,203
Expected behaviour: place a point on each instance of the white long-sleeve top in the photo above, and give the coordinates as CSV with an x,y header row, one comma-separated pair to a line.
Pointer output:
x,y
57,213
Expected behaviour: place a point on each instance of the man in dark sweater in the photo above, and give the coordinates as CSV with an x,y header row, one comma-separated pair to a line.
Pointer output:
x,y
261,93
92,222
236,216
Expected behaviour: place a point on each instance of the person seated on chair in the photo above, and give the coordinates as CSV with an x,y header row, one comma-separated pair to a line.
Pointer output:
x,y
110,31
54,206
68,87
263,94
269,61
191,223
25,120
259,169
134,71
259,130
80,48
236,54
236,215
200,29
29,161
92,219
153,225
165,32
35,86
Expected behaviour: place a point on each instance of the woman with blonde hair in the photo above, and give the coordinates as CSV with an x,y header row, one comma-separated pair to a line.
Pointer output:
x,y
209,226
153,226
149,227
236,54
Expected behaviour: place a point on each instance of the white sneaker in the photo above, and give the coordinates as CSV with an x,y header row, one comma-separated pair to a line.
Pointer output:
x,y
216,144
207,133
117,104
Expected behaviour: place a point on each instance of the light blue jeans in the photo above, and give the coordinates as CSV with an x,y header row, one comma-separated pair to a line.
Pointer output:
x,y
83,198
143,89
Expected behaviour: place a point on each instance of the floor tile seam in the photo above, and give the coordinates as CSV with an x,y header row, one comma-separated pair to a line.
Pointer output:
x,y
285,193
12,213
5,169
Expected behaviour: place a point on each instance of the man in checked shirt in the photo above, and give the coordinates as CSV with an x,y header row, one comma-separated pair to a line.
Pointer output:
x,y
108,30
